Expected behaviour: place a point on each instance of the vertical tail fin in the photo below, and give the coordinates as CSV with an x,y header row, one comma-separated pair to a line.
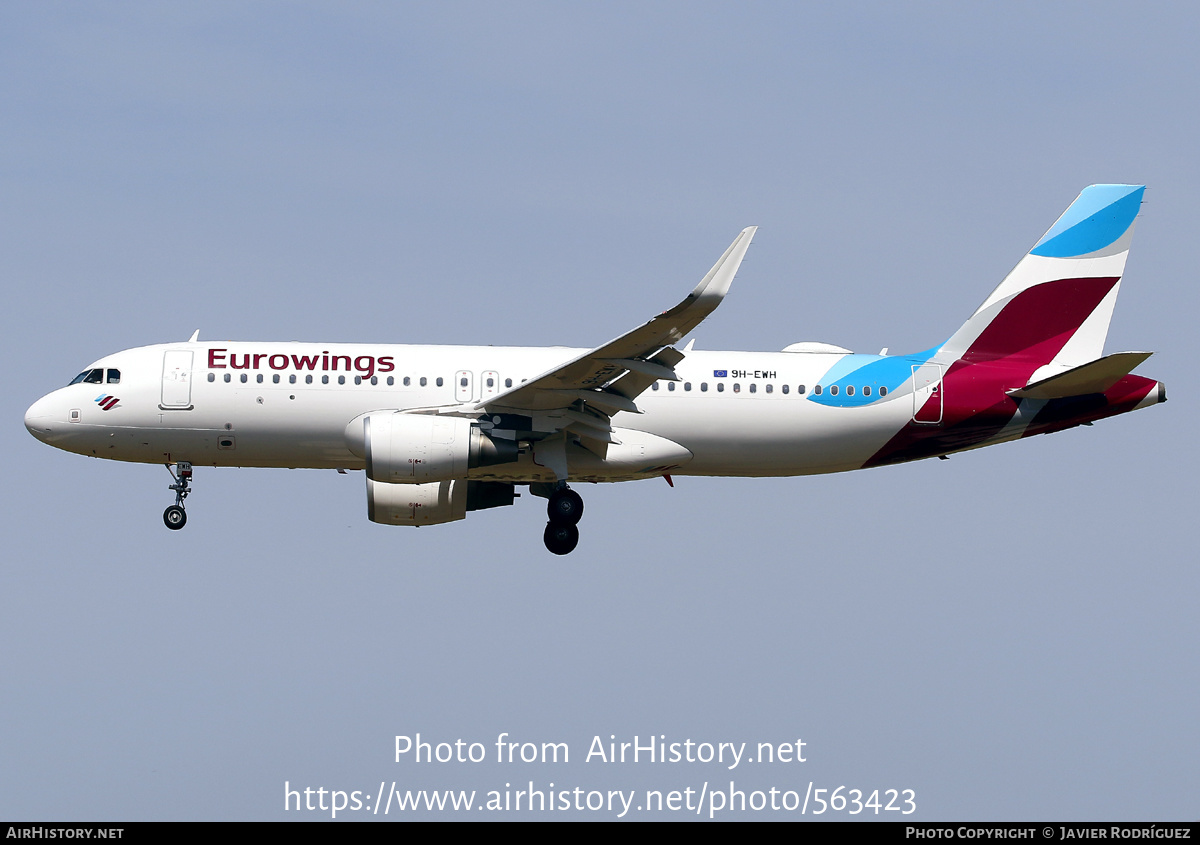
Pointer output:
x,y
1052,311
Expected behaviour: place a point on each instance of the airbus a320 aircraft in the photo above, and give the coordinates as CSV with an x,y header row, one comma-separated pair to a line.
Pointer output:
x,y
444,430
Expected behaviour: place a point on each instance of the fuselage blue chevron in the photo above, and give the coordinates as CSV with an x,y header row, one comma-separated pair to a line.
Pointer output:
x,y
843,384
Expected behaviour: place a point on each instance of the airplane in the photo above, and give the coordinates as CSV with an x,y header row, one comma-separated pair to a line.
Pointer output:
x,y
442,431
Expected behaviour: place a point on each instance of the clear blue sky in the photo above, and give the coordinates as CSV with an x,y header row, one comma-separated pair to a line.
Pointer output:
x,y
1012,633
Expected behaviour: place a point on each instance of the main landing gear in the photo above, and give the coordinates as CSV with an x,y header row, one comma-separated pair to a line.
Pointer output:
x,y
565,509
175,517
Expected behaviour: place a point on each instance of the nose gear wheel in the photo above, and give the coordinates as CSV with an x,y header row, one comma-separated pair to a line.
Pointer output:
x,y
175,517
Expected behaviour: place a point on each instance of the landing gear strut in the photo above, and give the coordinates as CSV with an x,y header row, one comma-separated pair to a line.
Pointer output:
x,y
175,517
565,509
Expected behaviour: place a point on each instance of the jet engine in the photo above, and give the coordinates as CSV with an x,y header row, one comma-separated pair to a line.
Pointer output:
x,y
435,502
422,448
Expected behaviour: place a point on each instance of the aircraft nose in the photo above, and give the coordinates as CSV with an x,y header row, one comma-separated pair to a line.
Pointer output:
x,y
39,419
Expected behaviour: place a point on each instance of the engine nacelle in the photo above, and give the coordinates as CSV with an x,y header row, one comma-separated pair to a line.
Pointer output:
x,y
421,448
435,502
416,504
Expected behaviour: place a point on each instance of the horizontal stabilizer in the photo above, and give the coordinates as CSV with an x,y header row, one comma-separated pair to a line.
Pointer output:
x,y
1094,377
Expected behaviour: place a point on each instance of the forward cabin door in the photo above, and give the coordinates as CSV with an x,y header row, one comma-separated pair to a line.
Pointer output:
x,y
177,380
927,394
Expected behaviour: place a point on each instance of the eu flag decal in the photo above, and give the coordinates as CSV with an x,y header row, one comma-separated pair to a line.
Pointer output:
x,y
720,373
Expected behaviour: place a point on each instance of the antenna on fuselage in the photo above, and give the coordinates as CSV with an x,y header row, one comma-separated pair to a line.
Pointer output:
x,y
195,335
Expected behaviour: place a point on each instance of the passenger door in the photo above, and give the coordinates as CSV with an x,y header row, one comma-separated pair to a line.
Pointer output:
x,y
177,380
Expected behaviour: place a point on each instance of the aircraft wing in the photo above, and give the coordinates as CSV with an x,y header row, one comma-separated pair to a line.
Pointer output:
x,y
608,378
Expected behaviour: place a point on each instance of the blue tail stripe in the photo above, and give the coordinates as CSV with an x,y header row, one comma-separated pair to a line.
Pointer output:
x,y
1100,215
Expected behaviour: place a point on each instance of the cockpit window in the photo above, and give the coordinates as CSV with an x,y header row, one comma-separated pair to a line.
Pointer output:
x,y
90,377
114,376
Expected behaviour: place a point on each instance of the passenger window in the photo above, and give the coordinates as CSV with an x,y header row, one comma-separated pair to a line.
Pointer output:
x,y
720,387
407,381
324,379
508,382
770,387
341,379
439,381
212,376
291,379
833,391
358,379
784,388
244,378
704,387
671,386
737,388
114,376
308,379
462,382
424,381
800,388
259,378
391,381
491,382
275,378
867,390
883,391
754,388
849,390
816,390
654,386
687,385
228,378
374,379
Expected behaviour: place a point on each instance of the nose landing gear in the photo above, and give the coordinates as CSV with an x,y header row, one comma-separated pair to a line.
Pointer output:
x,y
564,509
175,517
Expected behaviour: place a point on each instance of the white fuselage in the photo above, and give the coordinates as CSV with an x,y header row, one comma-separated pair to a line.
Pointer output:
x,y
288,405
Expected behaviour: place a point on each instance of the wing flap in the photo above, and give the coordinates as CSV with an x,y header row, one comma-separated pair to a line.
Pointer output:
x,y
634,382
648,368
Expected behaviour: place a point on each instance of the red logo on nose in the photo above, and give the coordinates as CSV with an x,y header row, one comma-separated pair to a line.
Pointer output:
x,y
107,402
